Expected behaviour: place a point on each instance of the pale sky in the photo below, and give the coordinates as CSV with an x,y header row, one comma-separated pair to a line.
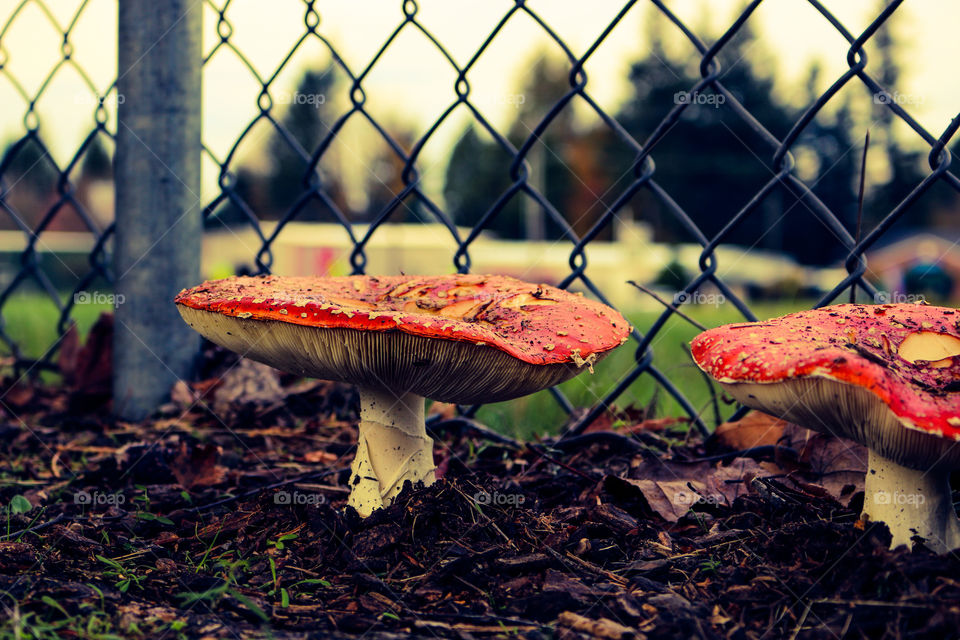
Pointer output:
x,y
412,84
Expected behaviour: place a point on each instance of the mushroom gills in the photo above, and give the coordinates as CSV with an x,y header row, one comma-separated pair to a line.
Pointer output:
x,y
911,500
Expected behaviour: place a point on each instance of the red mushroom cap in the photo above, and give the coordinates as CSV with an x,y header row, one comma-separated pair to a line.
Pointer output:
x,y
851,343
537,324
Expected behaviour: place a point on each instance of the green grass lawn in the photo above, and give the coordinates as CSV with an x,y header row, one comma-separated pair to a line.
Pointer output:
x,y
539,413
31,320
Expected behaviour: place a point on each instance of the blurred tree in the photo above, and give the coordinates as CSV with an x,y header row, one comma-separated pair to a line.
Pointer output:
x,y
97,163
588,186
712,162
829,140
385,182
27,183
673,276
27,164
547,158
477,175
93,187
307,118
247,187
929,280
907,168
564,165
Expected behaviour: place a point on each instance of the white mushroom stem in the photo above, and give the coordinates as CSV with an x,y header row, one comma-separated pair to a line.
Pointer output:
x,y
392,447
911,503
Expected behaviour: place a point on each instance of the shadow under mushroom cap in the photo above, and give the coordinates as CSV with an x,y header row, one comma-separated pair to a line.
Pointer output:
x,y
444,370
852,344
458,338
536,323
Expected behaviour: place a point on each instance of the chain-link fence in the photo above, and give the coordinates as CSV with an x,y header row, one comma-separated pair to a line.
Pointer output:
x,y
36,191
30,151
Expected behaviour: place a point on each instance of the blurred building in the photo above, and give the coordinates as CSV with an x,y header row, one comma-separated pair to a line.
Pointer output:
x,y
324,249
920,263
313,248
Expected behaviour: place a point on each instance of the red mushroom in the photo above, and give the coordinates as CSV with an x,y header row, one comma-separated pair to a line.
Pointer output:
x,y
886,376
458,338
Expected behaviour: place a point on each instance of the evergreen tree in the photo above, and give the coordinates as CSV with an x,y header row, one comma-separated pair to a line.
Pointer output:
x,y
477,175
547,159
28,181
907,167
712,162
97,163
479,171
385,182
832,140
307,118
230,214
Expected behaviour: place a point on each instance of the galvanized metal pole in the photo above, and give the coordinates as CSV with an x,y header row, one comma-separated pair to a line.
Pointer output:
x,y
158,208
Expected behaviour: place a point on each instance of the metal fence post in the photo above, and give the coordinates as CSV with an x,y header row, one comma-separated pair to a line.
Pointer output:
x,y
159,212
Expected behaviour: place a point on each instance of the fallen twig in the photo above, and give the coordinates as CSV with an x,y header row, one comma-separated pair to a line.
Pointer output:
x,y
49,523
668,305
462,424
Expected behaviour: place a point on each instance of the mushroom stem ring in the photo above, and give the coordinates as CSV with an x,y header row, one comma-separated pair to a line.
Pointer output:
x,y
392,448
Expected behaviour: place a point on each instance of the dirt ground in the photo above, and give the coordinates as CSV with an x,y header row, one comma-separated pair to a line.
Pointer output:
x,y
224,517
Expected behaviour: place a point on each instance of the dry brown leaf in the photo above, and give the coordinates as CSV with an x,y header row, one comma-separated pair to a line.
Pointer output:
x,y
446,410
836,464
88,370
323,457
829,464
672,488
19,394
606,420
94,371
599,628
756,429
653,424
197,466
67,357
248,382
668,498
827,454
182,395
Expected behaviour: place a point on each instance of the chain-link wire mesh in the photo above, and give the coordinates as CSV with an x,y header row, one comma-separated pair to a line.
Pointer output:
x,y
29,156
642,176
